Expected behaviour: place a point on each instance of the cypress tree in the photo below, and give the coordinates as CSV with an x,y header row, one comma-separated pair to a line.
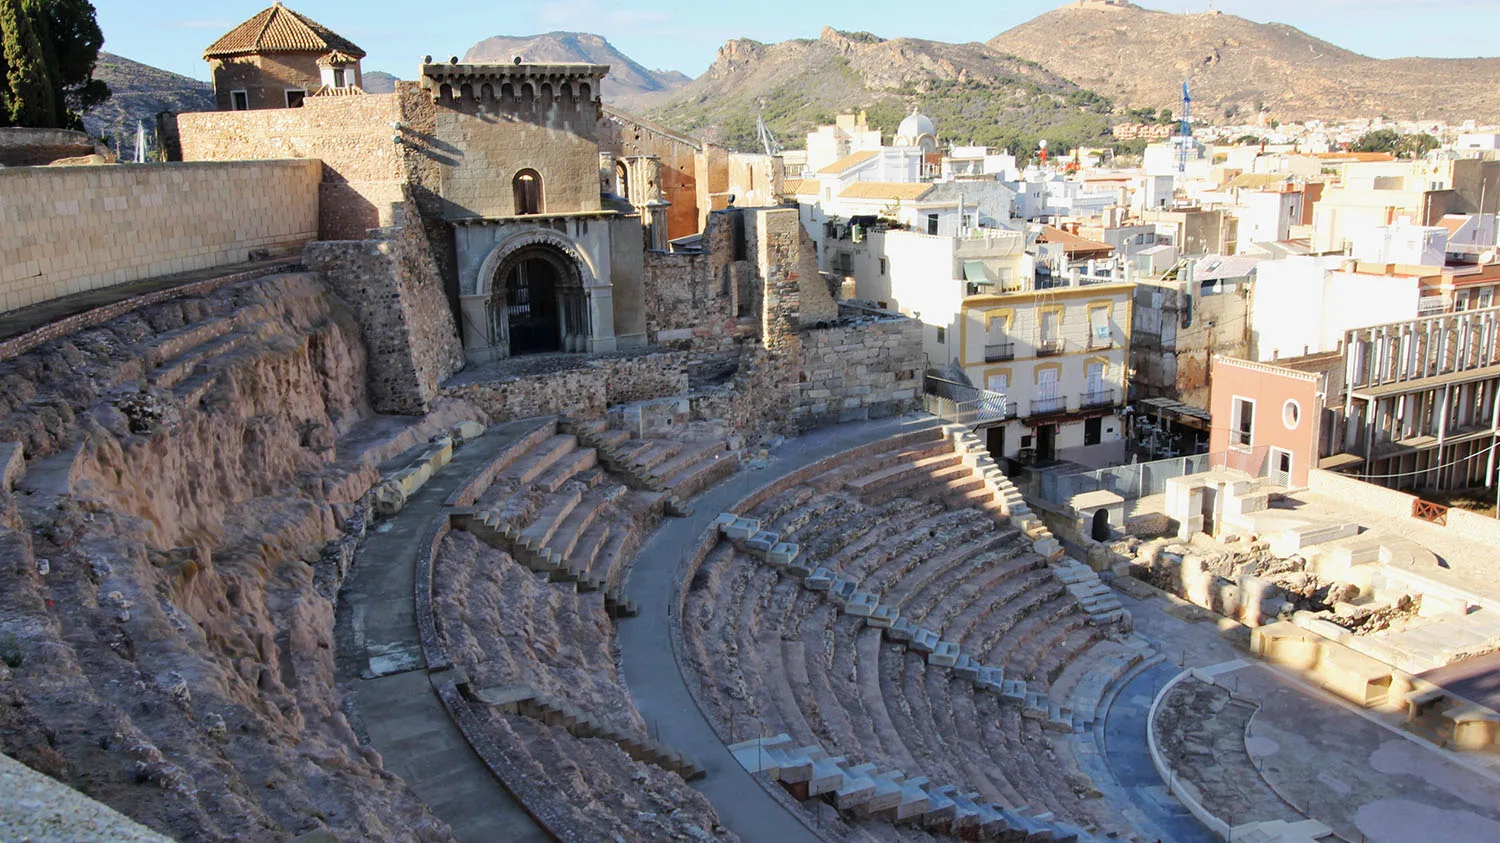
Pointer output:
x,y
32,99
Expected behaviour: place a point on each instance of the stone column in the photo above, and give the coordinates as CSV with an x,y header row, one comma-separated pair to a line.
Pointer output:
x,y
480,346
601,304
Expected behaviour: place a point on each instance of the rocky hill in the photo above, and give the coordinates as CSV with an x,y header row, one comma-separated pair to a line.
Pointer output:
x,y
629,84
140,92
972,92
1139,58
378,82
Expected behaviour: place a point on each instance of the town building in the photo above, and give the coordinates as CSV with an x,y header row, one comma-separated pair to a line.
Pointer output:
x,y
279,58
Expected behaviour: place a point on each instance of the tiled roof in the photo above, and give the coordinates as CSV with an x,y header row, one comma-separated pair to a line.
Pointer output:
x,y
1256,181
799,187
885,190
1072,243
280,30
848,161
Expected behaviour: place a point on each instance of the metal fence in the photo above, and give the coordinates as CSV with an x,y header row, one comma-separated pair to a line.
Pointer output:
x,y
1142,480
960,403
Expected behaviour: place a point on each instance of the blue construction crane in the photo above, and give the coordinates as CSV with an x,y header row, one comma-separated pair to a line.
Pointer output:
x,y
1187,130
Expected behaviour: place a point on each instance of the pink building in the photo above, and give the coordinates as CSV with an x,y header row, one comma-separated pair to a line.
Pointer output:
x,y
1265,415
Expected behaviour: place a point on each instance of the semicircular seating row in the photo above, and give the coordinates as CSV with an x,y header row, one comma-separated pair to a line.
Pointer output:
x,y
904,528
536,687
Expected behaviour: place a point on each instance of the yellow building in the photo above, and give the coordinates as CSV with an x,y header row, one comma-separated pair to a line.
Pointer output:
x,y
1059,355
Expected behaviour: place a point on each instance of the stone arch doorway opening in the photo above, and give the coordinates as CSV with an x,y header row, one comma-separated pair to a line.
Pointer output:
x,y
1101,530
539,302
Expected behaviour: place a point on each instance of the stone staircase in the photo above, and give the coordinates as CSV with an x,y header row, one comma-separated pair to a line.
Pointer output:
x,y
529,547
525,701
746,535
1097,598
866,792
655,465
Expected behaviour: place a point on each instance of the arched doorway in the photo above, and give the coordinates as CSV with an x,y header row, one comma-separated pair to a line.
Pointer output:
x,y
540,303
1101,531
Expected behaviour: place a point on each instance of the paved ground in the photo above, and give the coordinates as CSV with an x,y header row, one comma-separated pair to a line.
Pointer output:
x,y
380,660
1152,808
650,669
1359,773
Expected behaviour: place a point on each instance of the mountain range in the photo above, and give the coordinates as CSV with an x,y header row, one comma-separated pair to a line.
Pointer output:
x,y
1064,76
1236,67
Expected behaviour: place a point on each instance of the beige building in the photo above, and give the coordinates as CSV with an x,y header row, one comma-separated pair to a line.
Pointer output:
x,y
279,58
1059,356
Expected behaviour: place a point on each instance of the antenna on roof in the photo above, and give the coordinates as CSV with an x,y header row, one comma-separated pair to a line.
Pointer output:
x,y
1187,130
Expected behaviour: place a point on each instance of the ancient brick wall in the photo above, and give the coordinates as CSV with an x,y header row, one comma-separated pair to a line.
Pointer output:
x,y
865,370
363,168
393,285
72,229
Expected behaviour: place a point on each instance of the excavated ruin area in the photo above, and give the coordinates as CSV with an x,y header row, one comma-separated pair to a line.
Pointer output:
x,y
165,620
772,657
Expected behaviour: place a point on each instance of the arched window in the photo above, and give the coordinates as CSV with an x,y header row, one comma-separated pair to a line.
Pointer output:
x,y
622,179
528,191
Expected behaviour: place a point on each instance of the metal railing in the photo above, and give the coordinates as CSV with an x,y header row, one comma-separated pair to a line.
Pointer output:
x,y
1142,480
1098,398
961,403
999,351
1050,348
1049,406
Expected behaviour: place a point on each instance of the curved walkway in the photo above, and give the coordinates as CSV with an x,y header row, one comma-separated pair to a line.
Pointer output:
x,y
382,669
648,658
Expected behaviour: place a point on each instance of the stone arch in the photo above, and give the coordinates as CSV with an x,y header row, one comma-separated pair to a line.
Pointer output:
x,y
583,92
528,192
536,287
486,92
622,178
1100,530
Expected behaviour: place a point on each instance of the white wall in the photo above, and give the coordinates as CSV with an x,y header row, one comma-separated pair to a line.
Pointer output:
x,y
1409,245
1304,305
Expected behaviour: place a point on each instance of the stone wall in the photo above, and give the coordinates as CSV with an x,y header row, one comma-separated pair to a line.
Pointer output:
x,y
866,370
72,229
622,135
1397,506
585,392
392,283
363,168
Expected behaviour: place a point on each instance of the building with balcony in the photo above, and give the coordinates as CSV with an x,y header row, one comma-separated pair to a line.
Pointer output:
x,y
1420,404
1060,357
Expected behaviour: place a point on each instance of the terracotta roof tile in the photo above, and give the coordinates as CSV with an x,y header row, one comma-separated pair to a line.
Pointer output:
x,y
1072,243
280,30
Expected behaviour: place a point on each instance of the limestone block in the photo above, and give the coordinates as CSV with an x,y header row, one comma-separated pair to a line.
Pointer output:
x,y
945,654
827,776
12,465
861,604
466,431
900,631
924,641
388,498
991,679
741,528
857,788
821,579
782,554
887,795
841,591
884,617
761,543
966,668
723,521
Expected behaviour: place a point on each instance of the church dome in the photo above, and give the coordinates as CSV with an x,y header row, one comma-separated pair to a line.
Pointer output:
x,y
915,126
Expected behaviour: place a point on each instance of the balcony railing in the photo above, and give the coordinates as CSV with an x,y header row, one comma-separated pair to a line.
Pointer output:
x,y
1050,348
1001,351
1049,406
1098,398
1096,343
963,404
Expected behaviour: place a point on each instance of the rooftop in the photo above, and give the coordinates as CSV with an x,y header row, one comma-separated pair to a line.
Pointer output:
x,y
849,162
885,190
280,30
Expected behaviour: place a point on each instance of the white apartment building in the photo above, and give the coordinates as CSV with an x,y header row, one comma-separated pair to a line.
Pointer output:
x,y
1305,305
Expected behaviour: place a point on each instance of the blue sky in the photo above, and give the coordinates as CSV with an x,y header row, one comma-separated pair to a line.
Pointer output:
x,y
683,35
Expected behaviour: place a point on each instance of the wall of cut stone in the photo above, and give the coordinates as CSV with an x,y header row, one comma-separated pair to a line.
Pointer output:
x,y
585,392
866,370
363,169
73,229
395,289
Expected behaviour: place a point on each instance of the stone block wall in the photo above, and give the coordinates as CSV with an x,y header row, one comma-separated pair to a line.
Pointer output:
x,y
72,229
392,283
584,393
363,168
854,372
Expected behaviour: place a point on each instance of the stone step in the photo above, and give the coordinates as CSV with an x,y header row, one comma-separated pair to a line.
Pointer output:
x,y
572,530
178,370
566,468
541,529
532,464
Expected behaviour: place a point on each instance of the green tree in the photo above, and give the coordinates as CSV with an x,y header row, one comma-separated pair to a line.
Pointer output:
x,y
1417,146
1378,140
48,49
